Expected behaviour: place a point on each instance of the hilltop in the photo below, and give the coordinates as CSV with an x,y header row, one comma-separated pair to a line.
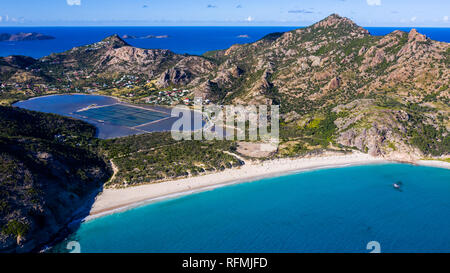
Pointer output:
x,y
386,95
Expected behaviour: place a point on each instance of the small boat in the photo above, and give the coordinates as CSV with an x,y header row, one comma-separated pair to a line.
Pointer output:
x,y
397,185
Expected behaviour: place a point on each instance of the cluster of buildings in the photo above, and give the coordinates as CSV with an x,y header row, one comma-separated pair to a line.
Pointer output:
x,y
36,88
68,83
128,81
170,97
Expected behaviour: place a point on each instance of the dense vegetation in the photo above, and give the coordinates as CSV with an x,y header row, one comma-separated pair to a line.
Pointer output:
x,y
155,157
50,165
48,170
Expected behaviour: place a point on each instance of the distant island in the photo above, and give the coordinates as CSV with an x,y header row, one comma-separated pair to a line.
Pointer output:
x,y
126,36
22,36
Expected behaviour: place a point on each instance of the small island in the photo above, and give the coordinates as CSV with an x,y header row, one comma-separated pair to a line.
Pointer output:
x,y
126,36
22,36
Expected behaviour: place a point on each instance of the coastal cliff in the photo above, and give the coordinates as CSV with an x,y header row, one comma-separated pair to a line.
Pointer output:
x,y
48,176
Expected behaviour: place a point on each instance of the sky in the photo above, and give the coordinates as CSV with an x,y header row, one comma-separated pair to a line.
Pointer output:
x,y
399,13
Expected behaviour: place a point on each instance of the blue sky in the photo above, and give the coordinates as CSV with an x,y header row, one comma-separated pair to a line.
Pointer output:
x,y
418,13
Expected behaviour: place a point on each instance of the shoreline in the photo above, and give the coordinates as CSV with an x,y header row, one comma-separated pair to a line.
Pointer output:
x,y
434,163
112,201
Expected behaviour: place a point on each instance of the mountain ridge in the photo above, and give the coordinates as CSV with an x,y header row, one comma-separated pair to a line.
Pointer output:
x,y
311,72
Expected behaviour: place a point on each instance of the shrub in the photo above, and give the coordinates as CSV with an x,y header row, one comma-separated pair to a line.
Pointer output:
x,y
15,228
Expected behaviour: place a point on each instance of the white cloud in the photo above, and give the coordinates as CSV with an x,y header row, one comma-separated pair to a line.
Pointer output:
x,y
374,2
413,19
249,19
445,18
1,19
74,2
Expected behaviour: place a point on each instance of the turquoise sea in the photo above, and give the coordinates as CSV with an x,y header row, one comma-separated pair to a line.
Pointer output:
x,y
328,210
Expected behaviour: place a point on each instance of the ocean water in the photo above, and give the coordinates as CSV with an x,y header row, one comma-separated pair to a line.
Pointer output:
x,y
329,210
190,40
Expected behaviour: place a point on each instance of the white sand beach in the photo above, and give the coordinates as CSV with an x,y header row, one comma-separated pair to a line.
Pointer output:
x,y
434,163
115,200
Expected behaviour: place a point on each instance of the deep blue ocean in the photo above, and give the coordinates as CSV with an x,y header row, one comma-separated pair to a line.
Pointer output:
x,y
329,210
191,40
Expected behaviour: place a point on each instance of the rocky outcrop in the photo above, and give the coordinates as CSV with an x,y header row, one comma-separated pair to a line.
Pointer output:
x,y
140,61
208,90
377,131
185,71
334,21
174,76
335,83
416,36
228,73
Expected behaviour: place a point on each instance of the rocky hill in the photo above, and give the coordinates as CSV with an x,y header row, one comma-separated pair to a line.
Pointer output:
x,y
113,56
390,93
48,177
335,58
102,62
387,95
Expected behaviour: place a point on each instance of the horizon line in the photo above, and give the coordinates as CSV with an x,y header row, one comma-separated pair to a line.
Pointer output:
x,y
210,26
